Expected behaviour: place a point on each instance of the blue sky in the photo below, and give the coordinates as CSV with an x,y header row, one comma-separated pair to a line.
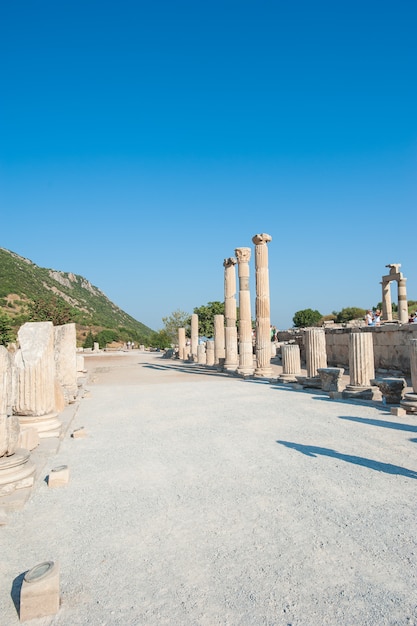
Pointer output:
x,y
142,142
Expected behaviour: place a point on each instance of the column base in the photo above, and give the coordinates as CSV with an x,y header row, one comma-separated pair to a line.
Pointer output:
x,y
263,372
409,402
358,392
16,472
47,425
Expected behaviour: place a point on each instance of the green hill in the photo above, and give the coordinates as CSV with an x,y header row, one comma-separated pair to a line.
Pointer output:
x,y
22,283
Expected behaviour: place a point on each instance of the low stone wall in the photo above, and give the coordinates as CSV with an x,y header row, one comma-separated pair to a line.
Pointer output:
x,y
391,345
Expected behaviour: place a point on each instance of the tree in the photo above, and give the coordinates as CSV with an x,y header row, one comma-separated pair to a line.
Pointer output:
x,y
6,333
53,309
350,313
160,339
177,319
306,317
89,340
206,315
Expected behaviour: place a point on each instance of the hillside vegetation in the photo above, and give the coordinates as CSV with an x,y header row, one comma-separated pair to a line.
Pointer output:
x,y
24,285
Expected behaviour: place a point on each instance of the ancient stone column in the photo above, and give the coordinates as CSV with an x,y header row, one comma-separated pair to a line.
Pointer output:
x,y
219,342
181,344
245,367
263,317
291,362
231,358
386,301
16,469
402,300
316,356
194,336
35,368
210,352
201,354
409,401
361,365
65,349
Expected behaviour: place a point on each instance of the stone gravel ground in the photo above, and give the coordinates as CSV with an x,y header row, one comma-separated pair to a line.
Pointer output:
x,y
202,499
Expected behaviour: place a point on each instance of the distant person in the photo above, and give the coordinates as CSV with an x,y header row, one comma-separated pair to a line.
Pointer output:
x,y
377,318
369,318
415,318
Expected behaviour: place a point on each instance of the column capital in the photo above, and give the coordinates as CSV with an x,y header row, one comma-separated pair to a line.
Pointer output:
x,y
243,255
230,262
261,238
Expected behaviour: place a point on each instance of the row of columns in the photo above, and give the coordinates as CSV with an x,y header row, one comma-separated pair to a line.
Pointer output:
x,y
233,349
37,380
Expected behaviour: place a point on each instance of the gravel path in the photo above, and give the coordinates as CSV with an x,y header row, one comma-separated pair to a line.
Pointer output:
x,y
200,499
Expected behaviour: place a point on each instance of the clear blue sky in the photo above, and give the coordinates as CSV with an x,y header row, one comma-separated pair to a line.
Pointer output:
x,y
142,142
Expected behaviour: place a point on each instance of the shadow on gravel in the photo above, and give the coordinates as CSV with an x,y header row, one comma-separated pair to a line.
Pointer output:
x,y
16,591
314,451
371,422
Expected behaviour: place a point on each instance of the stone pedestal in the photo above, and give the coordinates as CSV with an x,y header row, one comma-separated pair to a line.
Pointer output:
x,y
39,595
230,315
390,388
58,476
263,367
291,362
331,378
245,367
361,366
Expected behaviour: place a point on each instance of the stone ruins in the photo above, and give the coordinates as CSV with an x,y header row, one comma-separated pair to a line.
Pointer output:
x,y
327,353
38,379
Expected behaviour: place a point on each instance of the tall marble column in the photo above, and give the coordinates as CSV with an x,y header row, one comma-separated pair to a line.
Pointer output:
x,y
316,356
291,362
402,300
231,359
245,367
35,374
181,344
361,365
263,316
409,401
194,336
219,344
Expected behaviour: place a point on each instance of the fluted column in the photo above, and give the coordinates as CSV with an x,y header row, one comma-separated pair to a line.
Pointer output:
x,y
316,356
181,344
245,367
402,300
263,316
35,368
194,336
231,356
291,362
219,343
361,365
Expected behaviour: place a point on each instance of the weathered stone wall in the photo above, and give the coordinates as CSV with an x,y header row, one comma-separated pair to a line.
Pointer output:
x,y
391,345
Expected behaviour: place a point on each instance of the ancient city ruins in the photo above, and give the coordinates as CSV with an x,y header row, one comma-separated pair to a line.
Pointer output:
x,y
42,374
